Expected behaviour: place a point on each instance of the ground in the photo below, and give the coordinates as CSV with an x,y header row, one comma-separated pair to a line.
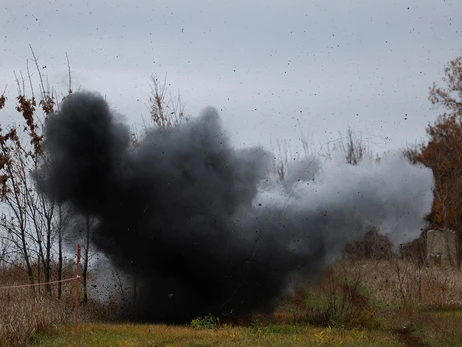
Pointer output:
x,y
162,335
397,327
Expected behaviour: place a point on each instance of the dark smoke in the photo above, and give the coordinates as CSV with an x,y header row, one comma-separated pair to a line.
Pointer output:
x,y
208,228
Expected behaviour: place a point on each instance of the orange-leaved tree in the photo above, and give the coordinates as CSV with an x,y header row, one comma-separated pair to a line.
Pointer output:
x,y
443,152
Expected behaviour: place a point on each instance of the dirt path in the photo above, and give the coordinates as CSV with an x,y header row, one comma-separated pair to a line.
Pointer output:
x,y
405,336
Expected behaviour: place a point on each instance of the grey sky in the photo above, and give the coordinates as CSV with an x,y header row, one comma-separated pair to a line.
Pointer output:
x,y
270,67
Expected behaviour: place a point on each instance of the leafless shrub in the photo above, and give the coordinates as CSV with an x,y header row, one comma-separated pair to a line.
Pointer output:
x,y
414,251
372,246
285,155
354,148
342,300
398,282
165,110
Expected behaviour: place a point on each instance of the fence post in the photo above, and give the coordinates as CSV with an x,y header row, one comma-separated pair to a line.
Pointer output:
x,y
77,283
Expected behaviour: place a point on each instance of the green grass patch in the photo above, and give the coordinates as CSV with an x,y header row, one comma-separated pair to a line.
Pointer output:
x,y
256,335
204,322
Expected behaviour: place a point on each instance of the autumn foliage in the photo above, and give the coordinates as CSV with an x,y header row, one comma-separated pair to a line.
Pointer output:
x,y
443,152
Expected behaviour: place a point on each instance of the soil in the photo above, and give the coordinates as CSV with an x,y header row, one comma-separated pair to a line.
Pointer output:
x,y
406,336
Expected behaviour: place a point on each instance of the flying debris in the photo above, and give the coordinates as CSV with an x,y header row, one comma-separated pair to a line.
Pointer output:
x,y
209,228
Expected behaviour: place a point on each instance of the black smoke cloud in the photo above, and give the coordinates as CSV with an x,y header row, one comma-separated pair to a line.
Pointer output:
x,y
206,227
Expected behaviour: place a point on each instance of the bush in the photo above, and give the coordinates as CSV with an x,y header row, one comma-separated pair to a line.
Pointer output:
x,y
341,303
372,246
205,322
261,329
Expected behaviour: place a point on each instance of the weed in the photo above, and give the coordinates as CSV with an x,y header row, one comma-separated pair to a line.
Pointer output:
x,y
204,322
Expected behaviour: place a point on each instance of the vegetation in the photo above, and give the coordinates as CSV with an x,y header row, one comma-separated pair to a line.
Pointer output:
x,y
25,314
205,322
162,335
370,297
384,302
443,152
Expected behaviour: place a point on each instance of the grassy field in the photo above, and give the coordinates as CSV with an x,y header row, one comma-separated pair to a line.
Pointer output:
x,y
162,335
398,327
365,303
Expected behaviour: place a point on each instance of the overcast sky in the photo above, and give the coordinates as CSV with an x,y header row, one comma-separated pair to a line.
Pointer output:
x,y
273,69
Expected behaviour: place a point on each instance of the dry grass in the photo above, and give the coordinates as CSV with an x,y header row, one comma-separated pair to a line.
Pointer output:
x,y
420,305
264,335
366,302
402,327
398,282
441,328
24,314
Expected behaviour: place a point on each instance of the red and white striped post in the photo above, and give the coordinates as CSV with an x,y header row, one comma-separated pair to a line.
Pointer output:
x,y
77,284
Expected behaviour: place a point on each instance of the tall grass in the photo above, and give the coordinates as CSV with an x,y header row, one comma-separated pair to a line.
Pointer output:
x,y
361,293
399,282
353,294
24,313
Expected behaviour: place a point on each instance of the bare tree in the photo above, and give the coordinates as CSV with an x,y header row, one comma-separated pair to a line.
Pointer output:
x,y
285,154
60,249
165,110
354,148
89,221
28,218
3,252
14,220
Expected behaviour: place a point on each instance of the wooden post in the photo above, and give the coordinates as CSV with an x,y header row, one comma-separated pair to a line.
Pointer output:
x,y
77,284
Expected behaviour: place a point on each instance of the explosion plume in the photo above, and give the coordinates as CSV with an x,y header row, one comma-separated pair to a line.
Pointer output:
x,y
206,227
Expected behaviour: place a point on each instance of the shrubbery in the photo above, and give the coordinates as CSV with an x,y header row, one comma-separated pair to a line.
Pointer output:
x,y
205,322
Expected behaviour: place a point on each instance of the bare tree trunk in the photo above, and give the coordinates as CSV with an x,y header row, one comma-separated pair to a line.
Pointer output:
x,y
85,259
30,273
48,211
19,230
60,250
